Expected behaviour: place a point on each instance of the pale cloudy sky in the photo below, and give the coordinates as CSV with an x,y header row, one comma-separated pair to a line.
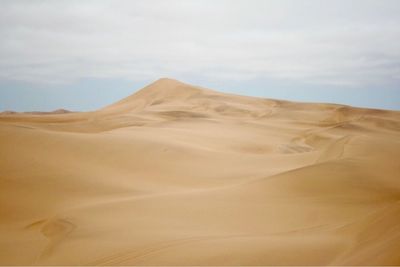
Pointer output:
x,y
86,54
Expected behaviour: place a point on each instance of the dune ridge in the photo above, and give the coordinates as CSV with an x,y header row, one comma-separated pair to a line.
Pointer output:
x,y
177,174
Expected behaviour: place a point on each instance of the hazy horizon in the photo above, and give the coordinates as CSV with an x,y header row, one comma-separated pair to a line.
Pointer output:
x,y
83,55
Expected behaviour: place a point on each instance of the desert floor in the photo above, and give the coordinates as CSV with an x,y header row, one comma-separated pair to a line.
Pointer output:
x,y
181,175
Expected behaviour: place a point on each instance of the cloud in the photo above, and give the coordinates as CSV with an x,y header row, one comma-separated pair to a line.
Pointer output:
x,y
355,44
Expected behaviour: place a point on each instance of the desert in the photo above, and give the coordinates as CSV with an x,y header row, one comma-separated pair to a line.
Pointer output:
x,y
177,174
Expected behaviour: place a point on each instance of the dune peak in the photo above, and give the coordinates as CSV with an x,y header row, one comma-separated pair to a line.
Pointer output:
x,y
167,80
168,84
160,91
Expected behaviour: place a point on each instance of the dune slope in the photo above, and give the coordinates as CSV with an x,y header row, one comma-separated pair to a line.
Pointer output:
x,y
181,175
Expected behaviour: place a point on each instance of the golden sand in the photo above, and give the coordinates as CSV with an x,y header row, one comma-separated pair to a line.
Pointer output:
x,y
181,175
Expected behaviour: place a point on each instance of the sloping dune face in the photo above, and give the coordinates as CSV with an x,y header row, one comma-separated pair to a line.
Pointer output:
x,y
180,175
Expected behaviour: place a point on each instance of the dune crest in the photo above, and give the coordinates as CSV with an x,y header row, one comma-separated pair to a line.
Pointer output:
x,y
161,91
177,174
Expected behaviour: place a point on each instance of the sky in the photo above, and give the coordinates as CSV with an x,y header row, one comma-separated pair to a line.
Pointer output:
x,y
83,55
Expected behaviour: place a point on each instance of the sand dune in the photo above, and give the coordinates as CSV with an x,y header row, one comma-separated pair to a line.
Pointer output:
x,y
57,111
181,175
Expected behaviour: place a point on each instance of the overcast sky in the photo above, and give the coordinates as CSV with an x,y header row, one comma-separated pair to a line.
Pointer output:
x,y
86,54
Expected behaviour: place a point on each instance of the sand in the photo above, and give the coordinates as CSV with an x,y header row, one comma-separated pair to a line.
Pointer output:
x,y
181,175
